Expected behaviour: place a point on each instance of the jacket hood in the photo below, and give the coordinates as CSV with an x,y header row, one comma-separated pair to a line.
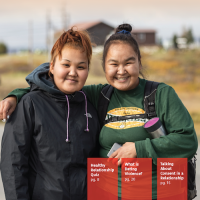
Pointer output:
x,y
41,79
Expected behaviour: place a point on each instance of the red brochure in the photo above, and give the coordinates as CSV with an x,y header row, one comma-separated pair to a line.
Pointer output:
x,y
137,178
172,178
102,179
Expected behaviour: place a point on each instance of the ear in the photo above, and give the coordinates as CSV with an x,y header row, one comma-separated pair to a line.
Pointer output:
x,y
51,68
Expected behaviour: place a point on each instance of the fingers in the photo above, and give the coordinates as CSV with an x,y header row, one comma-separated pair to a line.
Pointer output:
x,y
10,111
115,161
114,154
5,111
119,162
2,111
123,164
7,106
128,150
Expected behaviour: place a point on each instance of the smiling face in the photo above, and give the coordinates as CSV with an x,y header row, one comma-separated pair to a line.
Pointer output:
x,y
71,70
122,66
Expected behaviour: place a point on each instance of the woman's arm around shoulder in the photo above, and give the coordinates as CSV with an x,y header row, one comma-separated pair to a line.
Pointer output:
x,y
93,93
7,106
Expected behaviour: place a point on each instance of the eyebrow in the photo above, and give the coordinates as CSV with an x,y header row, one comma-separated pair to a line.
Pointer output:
x,y
66,60
112,60
78,63
131,58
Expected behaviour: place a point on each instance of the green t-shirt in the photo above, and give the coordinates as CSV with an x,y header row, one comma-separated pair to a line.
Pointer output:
x,y
181,141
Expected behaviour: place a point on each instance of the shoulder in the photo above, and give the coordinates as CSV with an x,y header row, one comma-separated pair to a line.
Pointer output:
x,y
26,106
164,85
93,89
32,102
167,97
161,88
93,93
31,96
165,89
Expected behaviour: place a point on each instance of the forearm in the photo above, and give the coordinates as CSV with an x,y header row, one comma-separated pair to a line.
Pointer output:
x,y
19,93
181,140
174,145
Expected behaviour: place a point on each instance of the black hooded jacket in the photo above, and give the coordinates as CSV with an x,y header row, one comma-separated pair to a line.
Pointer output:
x,y
36,161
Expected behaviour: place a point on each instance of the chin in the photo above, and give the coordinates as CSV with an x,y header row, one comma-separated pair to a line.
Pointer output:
x,y
122,88
67,91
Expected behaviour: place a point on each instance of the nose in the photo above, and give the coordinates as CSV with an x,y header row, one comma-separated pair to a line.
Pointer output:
x,y
121,69
72,71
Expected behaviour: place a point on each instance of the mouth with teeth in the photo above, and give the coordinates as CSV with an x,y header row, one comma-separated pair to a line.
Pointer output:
x,y
121,79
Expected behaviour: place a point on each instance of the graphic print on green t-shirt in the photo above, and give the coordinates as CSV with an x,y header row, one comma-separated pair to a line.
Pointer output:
x,y
128,123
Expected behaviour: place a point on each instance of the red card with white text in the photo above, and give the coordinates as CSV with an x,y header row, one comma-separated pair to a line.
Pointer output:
x,y
102,179
172,178
136,178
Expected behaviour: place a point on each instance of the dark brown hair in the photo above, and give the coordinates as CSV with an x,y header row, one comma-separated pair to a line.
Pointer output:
x,y
75,39
125,38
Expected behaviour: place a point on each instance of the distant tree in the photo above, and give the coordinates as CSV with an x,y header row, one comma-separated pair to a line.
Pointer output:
x,y
3,48
174,41
187,33
190,37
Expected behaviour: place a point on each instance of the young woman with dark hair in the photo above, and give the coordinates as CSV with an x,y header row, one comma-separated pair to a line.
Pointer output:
x,y
122,66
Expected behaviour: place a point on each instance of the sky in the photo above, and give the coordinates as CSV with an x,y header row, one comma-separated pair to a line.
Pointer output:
x,y
21,20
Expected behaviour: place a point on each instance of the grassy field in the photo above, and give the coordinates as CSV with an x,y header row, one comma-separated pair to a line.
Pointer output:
x,y
181,70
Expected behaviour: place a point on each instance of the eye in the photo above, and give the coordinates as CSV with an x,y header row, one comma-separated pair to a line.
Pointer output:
x,y
81,67
66,65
